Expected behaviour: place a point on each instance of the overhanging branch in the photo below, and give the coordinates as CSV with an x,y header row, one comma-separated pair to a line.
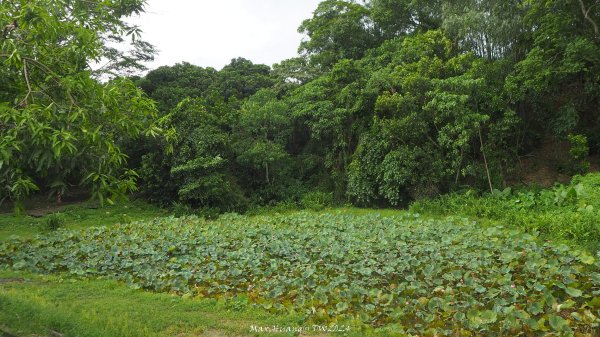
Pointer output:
x,y
43,68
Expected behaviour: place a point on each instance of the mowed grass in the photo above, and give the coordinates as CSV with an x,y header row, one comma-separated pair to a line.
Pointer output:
x,y
49,305
34,305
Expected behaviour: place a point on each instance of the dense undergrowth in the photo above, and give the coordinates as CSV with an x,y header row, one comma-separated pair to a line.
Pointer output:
x,y
404,273
565,212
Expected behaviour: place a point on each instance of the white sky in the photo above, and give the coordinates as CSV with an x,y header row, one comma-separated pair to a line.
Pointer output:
x,y
212,32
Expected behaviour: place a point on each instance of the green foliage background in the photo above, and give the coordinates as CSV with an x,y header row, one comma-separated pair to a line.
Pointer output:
x,y
387,102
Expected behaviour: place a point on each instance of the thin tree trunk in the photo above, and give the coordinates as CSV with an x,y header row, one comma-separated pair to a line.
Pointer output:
x,y
487,170
267,172
459,166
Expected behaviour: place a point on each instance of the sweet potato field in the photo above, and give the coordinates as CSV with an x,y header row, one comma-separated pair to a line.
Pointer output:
x,y
411,275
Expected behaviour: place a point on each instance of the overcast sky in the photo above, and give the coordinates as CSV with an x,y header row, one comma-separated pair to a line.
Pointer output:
x,y
212,32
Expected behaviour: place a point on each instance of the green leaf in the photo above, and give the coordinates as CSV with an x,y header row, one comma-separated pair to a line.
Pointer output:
x,y
482,317
536,308
587,259
573,292
341,306
557,323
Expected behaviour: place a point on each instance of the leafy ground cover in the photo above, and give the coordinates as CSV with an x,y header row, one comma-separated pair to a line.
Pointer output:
x,y
401,274
569,213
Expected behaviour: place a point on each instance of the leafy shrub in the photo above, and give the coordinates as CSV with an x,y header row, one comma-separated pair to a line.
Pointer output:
x,y
155,173
208,212
124,219
280,207
579,146
284,206
316,200
567,195
579,151
180,210
54,221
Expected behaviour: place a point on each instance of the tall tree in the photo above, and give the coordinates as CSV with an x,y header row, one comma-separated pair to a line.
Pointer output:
x,y
425,135
401,17
59,126
557,83
491,29
263,131
241,79
169,85
338,30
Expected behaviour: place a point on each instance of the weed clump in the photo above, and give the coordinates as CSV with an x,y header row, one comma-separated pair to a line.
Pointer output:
x,y
54,221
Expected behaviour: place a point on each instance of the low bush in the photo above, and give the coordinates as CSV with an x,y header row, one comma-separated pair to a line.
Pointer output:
x,y
565,212
316,200
54,221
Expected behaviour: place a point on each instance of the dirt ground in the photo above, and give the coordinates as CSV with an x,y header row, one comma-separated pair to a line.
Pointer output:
x,y
546,166
41,204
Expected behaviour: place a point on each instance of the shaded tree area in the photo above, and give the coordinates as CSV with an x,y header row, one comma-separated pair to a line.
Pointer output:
x,y
387,102
225,140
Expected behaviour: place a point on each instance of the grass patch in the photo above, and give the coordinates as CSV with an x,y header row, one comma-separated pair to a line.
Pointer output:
x,y
75,217
32,304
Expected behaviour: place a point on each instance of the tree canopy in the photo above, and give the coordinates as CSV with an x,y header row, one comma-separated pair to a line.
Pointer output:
x,y
60,126
387,101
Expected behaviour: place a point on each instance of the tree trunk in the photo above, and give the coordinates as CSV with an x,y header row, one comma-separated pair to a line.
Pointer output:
x,y
267,172
487,170
586,15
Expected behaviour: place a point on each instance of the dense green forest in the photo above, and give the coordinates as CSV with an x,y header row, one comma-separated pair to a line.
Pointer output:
x,y
387,102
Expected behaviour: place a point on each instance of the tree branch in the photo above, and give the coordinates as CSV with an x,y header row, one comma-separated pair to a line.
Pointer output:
x,y
586,15
487,169
49,71
29,90
45,69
